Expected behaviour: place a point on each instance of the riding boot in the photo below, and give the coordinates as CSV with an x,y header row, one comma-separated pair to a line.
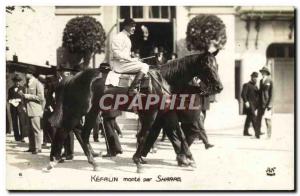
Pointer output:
x,y
132,89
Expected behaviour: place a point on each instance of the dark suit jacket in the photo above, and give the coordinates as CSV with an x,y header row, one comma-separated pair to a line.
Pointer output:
x,y
250,94
13,94
265,93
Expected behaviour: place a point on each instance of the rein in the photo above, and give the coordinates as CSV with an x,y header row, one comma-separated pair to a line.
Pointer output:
x,y
159,83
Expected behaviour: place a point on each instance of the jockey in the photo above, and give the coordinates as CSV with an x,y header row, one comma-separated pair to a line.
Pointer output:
x,y
121,61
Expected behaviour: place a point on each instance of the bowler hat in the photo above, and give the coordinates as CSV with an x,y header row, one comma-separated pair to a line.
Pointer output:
x,y
266,70
31,70
129,22
254,74
17,77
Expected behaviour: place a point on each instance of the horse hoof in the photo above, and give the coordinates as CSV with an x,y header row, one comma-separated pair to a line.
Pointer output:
x,y
96,168
136,160
142,161
139,169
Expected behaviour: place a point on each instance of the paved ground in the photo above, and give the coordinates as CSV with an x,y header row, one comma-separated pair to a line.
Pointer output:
x,y
236,162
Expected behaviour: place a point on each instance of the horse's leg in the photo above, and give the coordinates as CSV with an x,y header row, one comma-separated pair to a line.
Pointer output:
x,y
85,149
147,119
90,120
56,146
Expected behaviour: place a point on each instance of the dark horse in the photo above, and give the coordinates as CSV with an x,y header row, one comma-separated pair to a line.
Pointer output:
x,y
81,95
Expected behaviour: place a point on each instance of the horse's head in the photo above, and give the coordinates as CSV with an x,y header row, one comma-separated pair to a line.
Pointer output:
x,y
208,73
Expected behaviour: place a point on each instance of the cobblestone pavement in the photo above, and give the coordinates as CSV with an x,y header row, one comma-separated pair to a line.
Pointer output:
x,y
236,162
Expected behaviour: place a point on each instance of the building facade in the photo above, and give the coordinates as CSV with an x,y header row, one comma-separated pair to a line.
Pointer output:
x,y
256,36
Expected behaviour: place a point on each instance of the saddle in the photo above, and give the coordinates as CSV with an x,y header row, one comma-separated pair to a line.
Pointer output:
x,y
124,80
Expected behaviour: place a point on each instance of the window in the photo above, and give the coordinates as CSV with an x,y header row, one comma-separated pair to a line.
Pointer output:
x,y
278,50
148,12
164,12
137,12
125,12
154,12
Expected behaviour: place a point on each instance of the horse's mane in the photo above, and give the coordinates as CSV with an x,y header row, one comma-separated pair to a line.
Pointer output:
x,y
180,69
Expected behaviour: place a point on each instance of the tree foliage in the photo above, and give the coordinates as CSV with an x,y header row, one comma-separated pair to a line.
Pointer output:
x,y
204,28
84,35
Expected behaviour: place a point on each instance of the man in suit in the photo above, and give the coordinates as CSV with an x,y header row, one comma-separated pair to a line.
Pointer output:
x,y
192,121
111,128
17,109
35,102
250,98
265,99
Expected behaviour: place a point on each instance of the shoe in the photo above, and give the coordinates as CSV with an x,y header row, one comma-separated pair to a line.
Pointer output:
x,y
36,151
44,144
109,155
247,134
69,157
182,161
207,146
132,89
257,136
119,152
96,140
23,141
28,150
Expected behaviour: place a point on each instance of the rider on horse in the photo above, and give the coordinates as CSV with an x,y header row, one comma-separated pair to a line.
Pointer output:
x,y
121,61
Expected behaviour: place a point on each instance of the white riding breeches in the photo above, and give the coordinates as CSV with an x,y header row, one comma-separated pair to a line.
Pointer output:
x,y
127,67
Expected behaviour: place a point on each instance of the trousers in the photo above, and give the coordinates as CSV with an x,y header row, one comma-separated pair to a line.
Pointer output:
x,y
169,122
35,133
129,67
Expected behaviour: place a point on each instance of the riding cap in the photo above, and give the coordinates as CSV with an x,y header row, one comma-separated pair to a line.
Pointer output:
x,y
129,22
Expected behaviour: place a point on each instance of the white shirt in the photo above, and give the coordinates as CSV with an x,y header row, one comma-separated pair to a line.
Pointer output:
x,y
121,47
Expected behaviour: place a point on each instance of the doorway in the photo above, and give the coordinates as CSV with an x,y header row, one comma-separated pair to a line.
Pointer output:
x,y
160,35
282,68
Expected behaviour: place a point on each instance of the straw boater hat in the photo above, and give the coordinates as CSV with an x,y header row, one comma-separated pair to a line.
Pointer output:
x,y
17,77
266,70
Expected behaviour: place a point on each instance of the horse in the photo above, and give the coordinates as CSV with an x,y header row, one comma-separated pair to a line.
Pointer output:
x,y
82,93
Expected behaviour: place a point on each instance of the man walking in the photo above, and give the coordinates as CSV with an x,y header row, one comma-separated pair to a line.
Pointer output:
x,y
111,128
265,99
34,97
121,61
250,98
